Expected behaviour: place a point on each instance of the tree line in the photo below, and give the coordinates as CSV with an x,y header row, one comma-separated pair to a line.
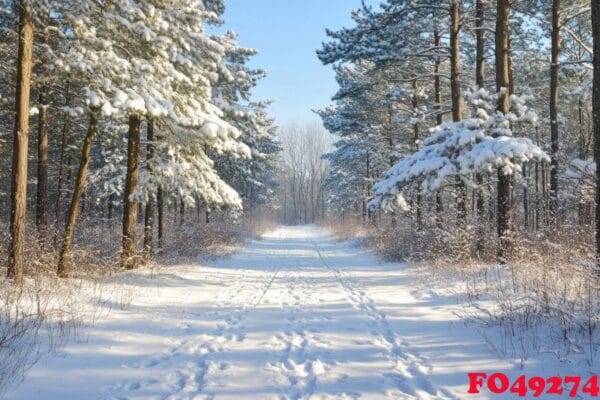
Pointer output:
x,y
478,115
131,106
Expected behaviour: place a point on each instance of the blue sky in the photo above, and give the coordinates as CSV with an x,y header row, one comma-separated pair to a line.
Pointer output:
x,y
287,34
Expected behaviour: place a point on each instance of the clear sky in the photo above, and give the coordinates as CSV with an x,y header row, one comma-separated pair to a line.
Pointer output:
x,y
287,33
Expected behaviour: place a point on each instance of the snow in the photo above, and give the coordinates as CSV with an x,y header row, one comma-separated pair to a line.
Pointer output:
x,y
295,315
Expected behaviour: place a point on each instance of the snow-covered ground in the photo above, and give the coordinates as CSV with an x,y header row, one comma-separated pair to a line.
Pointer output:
x,y
295,315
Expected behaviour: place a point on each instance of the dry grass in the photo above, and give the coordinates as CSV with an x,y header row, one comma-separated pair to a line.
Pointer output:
x,y
42,315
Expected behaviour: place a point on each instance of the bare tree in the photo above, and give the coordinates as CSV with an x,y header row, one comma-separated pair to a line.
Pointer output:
x,y
303,172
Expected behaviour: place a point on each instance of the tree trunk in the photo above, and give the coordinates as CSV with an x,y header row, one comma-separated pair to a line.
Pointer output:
x,y
455,62
596,116
161,220
416,138
181,211
63,262
480,37
18,206
504,213
526,197
61,164
439,209
480,82
110,207
41,205
554,70
437,83
130,208
457,99
149,217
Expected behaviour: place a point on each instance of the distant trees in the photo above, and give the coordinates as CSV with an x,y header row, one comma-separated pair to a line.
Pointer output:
x,y
302,191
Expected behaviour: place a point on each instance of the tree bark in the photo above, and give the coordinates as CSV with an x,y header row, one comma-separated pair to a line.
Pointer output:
x,y
504,214
596,116
554,128
63,262
130,205
149,216
18,206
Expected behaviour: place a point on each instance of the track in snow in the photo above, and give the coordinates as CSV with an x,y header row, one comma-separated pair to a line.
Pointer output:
x,y
288,318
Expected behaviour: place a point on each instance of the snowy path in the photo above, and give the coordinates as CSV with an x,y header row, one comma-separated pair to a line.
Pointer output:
x,y
293,316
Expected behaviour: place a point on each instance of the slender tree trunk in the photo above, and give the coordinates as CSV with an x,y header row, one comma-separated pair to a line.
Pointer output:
x,y
130,209
537,196
368,181
161,220
511,78
149,217
502,85
439,210
480,82
41,209
18,206
61,165
198,210
526,196
544,193
437,82
416,138
554,131
480,37
181,211
110,207
63,262
596,113
455,62
457,99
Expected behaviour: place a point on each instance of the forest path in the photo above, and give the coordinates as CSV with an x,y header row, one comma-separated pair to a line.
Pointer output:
x,y
295,315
